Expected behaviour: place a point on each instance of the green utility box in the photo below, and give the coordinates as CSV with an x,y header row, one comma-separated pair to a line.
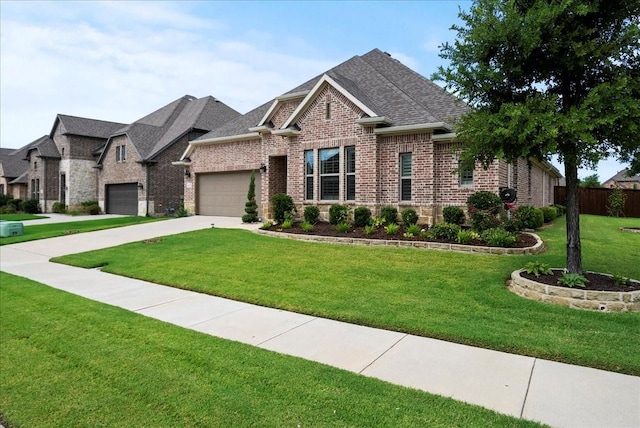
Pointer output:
x,y
11,228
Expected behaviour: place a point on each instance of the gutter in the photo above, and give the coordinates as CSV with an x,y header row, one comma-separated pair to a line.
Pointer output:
x,y
405,129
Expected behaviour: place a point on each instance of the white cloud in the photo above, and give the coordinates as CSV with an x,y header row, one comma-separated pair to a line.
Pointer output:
x,y
145,57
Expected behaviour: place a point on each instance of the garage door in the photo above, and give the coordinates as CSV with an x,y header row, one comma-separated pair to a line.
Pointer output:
x,y
122,199
225,193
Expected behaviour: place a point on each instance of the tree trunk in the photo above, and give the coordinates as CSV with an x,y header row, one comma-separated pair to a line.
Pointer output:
x,y
574,251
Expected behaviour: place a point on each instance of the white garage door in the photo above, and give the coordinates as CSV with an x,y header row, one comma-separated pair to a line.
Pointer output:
x,y
225,193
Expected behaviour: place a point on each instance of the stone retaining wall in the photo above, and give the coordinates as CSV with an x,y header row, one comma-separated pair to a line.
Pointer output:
x,y
606,301
538,248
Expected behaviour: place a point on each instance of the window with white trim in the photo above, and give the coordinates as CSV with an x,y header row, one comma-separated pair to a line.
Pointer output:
x,y
309,163
465,173
350,173
329,173
405,176
121,153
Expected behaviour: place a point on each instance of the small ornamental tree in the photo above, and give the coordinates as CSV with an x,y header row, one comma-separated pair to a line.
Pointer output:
x,y
251,207
549,77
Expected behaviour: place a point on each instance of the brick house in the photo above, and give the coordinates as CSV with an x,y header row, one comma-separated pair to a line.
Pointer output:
x,y
13,173
368,132
58,166
135,175
622,180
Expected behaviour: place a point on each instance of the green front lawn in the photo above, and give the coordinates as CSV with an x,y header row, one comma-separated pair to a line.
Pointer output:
x,y
452,296
42,231
69,361
21,217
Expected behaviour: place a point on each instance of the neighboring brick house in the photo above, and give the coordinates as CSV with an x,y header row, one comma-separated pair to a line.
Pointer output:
x,y
623,180
13,173
135,175
369,132
58,166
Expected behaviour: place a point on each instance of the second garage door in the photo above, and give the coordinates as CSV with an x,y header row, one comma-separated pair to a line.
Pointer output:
x,y
122,199
225,193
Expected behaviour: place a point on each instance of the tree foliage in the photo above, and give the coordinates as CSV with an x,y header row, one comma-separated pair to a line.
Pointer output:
x,y
591,181
548,77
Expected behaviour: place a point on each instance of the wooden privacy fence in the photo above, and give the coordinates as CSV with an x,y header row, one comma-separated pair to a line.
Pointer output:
x,y
595,201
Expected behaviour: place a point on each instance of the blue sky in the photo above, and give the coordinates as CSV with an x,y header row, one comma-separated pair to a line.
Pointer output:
x,y
119,61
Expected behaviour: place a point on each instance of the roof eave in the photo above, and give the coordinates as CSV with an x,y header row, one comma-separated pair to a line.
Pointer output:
x,y
416,128
374,121
287,132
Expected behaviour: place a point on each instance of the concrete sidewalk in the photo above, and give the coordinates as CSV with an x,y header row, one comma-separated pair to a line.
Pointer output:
x,y
557,394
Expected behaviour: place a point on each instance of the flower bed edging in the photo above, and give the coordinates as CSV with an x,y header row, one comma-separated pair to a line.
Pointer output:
x,y
604,301
440,246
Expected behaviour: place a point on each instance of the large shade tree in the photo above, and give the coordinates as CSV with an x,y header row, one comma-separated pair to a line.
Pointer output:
x,y
547,77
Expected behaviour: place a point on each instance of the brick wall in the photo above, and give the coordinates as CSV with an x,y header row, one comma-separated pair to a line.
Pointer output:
x,y
166,184
114,172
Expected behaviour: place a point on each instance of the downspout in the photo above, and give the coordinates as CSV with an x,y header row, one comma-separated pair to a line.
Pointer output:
x,y
146,187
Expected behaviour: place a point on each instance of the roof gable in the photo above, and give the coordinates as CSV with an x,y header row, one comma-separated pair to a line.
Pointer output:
x,y
73,125
157,131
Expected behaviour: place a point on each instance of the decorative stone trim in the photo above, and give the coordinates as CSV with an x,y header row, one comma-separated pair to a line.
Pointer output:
x,y
536,249
626,229
605,301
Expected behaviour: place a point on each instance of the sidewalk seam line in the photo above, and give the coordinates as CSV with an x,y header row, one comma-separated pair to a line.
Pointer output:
x,y
526,393
287,331
382,354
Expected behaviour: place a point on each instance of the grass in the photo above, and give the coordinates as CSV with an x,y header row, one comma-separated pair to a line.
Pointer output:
x,y
69,361
452,296
42,231
21,217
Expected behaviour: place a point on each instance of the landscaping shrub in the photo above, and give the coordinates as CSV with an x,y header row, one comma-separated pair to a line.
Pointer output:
x,y
466,236
343,227
8,209
529,217
562,210
617,200
30,206
311,214
281,203
498,237
549,214
484,200
361,216
338,214
251,206
307,227
59,207
389,214
411,231
445,231
16,204
453,215
483,207
392,228
409,217
4,199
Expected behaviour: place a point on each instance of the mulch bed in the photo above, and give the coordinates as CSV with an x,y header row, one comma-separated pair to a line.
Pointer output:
x,y
597,282
325,229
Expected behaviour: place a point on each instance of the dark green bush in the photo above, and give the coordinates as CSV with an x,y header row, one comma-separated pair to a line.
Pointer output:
x,y
59,207
16,204
30,206
361,216
311,214
251,206
549,214
4,199
484,200
94,209
409,217
562,210
528,217
389,214
338,213
281,203
445,231
453,215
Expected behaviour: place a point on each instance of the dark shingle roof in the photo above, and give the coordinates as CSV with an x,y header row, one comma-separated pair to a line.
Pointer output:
x,y
383,84
155,132
73,125
14,161
45,147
